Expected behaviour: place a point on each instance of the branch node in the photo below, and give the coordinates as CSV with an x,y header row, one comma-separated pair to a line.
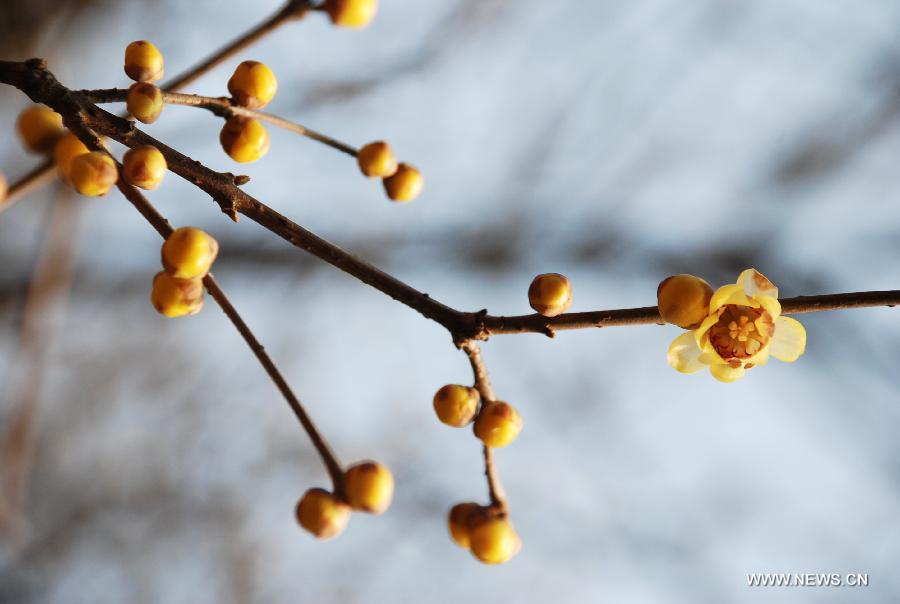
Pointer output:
x,y
471,327
37,63
241,179
297,9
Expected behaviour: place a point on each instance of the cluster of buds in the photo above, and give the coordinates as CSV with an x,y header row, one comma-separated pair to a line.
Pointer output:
x,y
187,255
496,423
402,182
91,173
144,64
367,487
484,530
252,85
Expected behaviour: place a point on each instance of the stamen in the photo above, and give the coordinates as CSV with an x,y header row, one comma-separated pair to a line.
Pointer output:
x,y
740,333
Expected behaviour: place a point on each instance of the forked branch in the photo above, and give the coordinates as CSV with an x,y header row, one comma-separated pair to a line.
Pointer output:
x,y
290,11
35,80
78,126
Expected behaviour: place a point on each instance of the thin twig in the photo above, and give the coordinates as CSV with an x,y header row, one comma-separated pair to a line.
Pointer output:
x,y
291,10
483,385
35,179
223,107
77,125
318,440
479,370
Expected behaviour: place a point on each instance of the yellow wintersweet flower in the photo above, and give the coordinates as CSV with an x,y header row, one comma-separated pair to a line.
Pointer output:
x,y
744,326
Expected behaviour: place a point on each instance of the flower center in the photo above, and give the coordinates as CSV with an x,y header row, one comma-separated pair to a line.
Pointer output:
x,y
741,332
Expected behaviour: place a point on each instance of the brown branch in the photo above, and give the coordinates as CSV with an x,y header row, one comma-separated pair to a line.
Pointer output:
x,y
79,126
223,107
483,385
35,179
479,370
84,118
35,80
292,10
322,447
492,325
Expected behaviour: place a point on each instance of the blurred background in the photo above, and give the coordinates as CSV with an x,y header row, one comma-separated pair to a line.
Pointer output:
x,y
616,142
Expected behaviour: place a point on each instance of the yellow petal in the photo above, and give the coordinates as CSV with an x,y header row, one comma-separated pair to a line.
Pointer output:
x,y
730,294
760,358
684,354
770,304
704,327
755,284
726,373
711,358
708,354
789,341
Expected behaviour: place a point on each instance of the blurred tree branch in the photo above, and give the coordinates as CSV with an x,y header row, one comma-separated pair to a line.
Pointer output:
x,y
44,302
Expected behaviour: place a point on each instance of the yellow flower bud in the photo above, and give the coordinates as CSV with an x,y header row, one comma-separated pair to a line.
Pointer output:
x,y
252,85
456,405
176,297
188,253
494,540
66,149
351,13
144,167
460,520
93,174
144,102
39,128
498,424
143,62
684,300
550,294
322,514
244,140
369,487
405,184
376,160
